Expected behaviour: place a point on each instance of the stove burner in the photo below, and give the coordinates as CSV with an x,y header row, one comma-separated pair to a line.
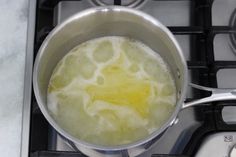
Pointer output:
x,y
126,3
232,36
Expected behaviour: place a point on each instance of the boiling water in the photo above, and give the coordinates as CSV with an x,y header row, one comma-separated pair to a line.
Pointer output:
x,y
111,91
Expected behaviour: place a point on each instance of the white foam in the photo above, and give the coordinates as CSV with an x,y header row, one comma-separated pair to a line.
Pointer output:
x,y
79,84
53,101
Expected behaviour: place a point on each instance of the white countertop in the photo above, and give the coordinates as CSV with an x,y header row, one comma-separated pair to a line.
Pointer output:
x,y
13,28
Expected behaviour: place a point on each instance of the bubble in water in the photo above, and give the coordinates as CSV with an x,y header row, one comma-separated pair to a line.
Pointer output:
x,y
103,51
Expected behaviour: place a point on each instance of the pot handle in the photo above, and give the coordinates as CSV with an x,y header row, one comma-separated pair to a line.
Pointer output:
x,y
218,94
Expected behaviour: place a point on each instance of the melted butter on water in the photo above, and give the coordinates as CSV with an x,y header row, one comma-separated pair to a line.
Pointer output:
x,y
111,91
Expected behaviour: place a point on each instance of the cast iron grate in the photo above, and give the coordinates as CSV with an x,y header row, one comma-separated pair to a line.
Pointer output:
x,y
202,65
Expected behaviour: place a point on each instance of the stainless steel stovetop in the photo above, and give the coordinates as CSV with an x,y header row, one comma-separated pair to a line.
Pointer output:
x,y
170,13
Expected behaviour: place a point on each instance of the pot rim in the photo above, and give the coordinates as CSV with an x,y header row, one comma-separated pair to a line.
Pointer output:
x,y
82,143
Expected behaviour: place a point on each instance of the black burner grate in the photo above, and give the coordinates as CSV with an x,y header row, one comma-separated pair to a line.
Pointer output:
x,y
202,64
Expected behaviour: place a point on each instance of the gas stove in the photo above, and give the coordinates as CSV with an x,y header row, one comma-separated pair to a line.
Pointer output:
x,y
206,31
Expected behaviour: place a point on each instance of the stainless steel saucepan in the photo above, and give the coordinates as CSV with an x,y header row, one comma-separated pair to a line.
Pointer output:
x,y
115,21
